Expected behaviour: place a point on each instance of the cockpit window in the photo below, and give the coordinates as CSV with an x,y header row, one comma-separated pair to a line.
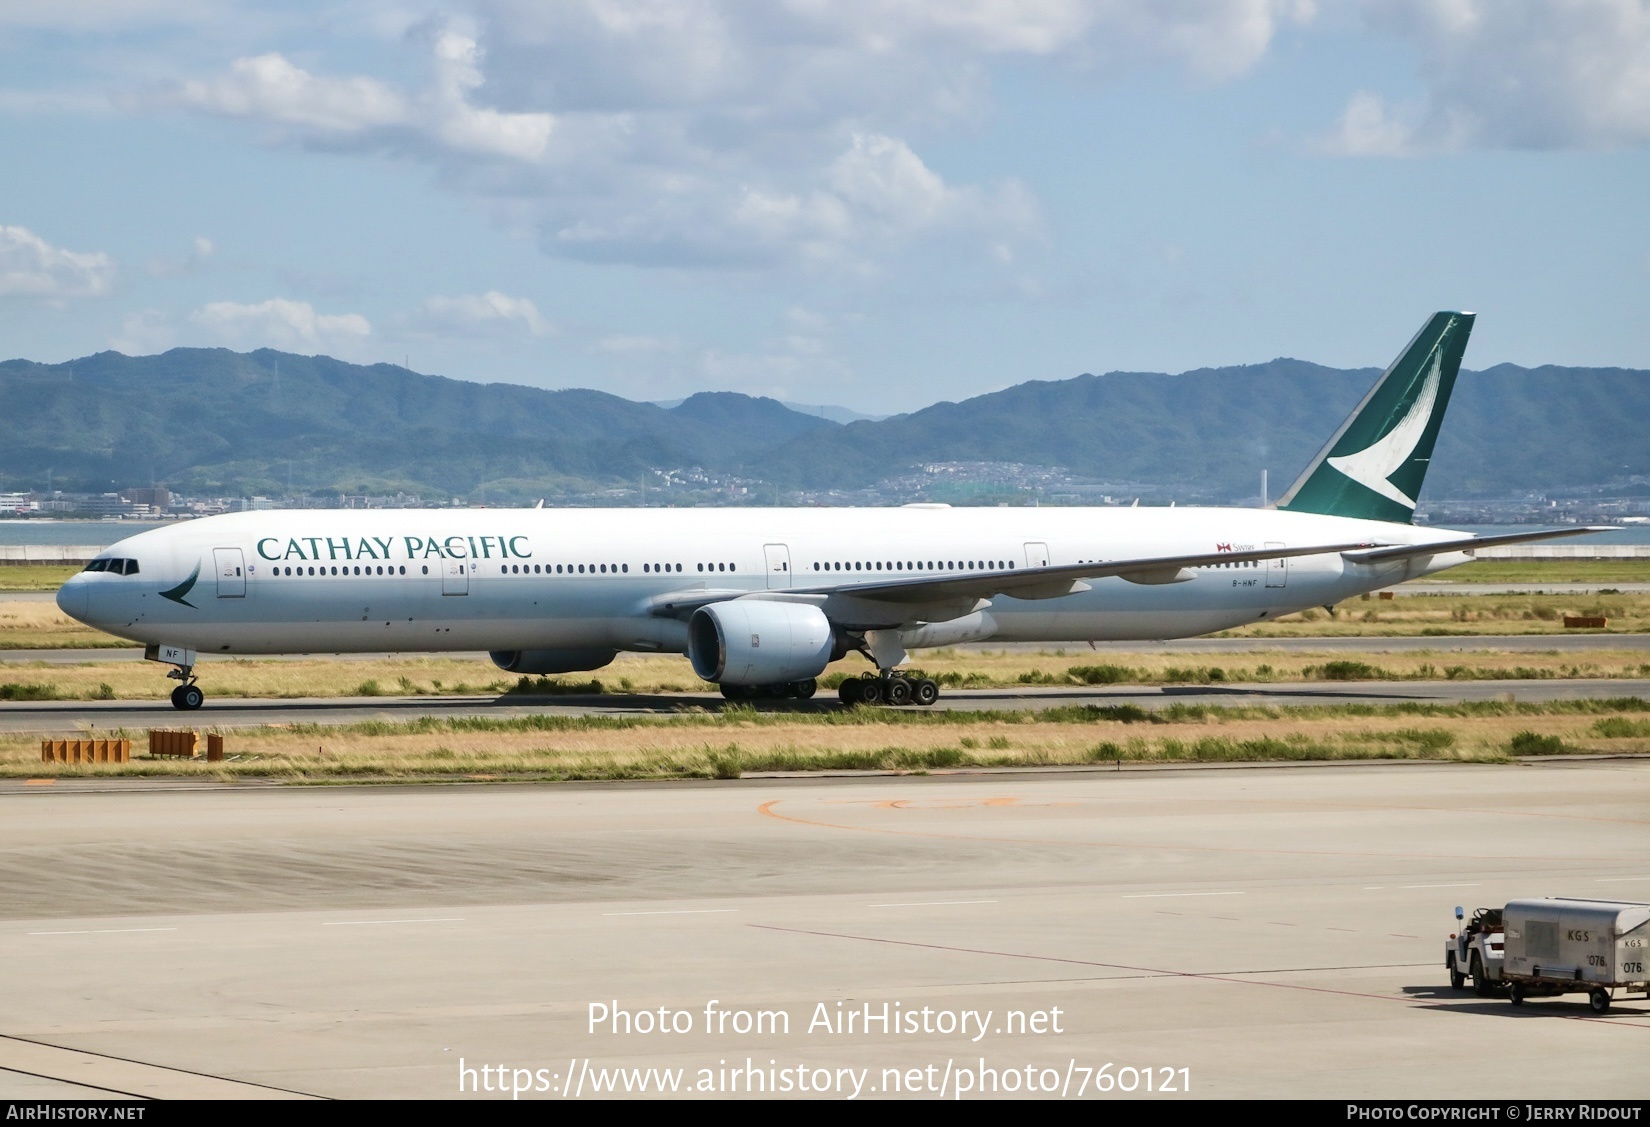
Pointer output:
x,y
98,565
116,567
131,568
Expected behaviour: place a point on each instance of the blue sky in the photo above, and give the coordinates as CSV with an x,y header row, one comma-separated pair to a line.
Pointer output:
x,y
875,203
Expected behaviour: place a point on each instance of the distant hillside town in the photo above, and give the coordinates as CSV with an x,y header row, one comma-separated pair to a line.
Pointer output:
x,y
957,483
193,432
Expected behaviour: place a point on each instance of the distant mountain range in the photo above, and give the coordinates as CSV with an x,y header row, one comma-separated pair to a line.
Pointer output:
x,y
211,421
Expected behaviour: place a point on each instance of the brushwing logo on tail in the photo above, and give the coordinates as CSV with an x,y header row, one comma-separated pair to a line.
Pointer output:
x,y
1374,464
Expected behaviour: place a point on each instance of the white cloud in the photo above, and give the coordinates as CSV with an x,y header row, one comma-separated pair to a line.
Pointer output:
x,y
801,319
1537,74
144,334
270,88
782,369
466,128
1366,129
869,199
280,323
32,267
162,267
695,133
485,314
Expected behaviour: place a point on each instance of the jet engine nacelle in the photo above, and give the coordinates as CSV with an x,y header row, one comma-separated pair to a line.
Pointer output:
x,y
758,642
551,661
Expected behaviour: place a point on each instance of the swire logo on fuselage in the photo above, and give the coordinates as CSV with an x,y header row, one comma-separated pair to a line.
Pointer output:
x,y
456,547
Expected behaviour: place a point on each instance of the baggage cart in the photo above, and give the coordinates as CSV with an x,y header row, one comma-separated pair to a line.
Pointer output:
x,y
1559,945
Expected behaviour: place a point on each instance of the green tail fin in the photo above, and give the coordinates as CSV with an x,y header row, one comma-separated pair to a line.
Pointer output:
x,y
1374,465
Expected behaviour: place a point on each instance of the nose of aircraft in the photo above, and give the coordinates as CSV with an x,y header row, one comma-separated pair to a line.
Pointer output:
x,y
72,597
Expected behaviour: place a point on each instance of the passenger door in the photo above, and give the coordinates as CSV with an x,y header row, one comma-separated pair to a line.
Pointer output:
x,y
779,565
1037,554
231,573
455,580
1277,571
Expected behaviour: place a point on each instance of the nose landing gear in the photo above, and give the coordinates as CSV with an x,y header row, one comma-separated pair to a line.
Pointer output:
x,y
188,696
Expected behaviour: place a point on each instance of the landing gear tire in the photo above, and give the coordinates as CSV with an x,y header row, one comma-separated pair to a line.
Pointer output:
x,y
737,692
187,698
897,690
1515,994
860,690
924,692
1599,999
804,690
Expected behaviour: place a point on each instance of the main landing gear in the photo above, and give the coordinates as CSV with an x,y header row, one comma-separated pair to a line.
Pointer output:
x,y
889,688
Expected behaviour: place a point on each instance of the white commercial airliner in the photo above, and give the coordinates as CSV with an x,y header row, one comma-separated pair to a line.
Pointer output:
x,y
760,600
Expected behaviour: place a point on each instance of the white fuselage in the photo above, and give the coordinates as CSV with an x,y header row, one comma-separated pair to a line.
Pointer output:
x,y
319,581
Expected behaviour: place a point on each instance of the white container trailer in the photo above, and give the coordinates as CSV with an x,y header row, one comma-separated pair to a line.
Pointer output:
x,y
1559,945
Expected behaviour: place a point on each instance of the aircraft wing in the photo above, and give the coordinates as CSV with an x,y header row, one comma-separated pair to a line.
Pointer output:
x,y
1019,583
1466,544
1064,579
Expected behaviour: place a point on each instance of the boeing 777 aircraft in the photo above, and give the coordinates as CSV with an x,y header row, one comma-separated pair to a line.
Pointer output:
x,y
760,600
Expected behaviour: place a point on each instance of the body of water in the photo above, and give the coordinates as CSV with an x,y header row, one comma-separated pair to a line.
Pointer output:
x,y
102,533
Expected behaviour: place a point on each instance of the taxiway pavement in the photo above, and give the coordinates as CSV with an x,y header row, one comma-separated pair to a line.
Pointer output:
x,y
1270,931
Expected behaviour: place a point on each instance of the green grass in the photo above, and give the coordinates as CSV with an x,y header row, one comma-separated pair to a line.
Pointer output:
x,y
36,577
1550,571
1101,674
12,690
1286,734
545,686
1621,727
737,716
1535,743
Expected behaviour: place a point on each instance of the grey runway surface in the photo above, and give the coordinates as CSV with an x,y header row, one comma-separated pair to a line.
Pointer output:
x,y
1270,931
1423,587
1462,643
228,713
